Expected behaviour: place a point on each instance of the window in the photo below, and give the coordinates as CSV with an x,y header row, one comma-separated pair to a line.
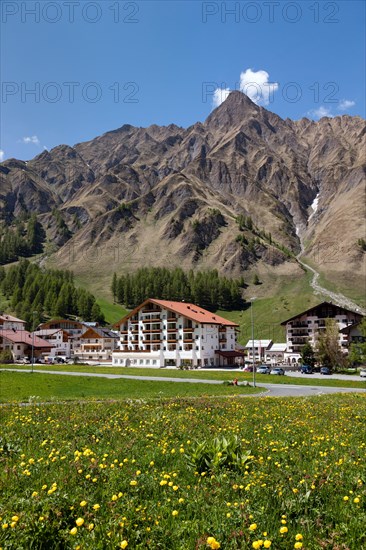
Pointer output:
x,y
180,347
154,362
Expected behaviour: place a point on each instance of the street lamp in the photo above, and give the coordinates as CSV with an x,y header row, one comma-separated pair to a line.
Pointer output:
x,y
33,314
252,323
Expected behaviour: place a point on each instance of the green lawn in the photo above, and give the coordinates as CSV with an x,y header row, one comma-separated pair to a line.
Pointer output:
x,y
198,374
22,387
289,297
112,312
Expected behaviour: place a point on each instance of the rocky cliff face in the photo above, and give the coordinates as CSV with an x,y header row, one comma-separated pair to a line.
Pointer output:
x,y
172,196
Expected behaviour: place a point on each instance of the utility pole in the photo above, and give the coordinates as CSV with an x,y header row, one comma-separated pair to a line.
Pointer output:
x,y
253,349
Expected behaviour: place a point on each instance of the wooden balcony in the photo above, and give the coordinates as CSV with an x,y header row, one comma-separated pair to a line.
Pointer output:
x,y
188,340
171,319
172,330
188,329
149,321
151,330
151,341
172,341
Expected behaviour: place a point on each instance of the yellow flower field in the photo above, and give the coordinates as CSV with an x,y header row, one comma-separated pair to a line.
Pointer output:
x,y
184,474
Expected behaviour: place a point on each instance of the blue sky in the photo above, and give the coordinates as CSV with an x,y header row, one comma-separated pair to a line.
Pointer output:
x,y
72,70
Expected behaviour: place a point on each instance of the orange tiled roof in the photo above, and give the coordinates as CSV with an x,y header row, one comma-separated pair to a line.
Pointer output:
x,y
191,311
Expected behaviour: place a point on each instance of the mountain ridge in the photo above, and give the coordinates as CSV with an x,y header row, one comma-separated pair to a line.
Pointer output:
x,y
153,192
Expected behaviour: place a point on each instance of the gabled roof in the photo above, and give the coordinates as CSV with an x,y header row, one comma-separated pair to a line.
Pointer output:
x,y
348,328
278,347
94,332
10,318
329,304
258,344
24,337
48,331
191,311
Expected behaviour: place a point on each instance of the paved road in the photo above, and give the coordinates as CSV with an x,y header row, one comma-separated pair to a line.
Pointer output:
x,y
274,390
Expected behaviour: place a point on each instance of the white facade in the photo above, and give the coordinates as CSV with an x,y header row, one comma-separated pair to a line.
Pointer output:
x,y
275,354
260,348
58,340
157,336
307,326
96,344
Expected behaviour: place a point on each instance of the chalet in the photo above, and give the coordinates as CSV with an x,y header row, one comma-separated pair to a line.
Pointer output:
x,y
9,322
96,344
22,343
161,333
59,340
353,334
306,326
73,330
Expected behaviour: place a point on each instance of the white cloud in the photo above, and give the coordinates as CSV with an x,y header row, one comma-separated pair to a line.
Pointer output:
x,y
345,104
256,86
320,112
2,155
219,96
31,139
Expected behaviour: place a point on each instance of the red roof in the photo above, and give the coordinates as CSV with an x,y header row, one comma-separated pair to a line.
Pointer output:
x,y
24,337
191,311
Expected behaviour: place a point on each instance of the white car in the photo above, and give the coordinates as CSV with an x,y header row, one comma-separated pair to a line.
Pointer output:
x,y
363,373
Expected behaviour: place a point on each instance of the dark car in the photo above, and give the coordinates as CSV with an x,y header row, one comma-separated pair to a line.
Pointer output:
x,y
325,370
306,369
248,368
278,371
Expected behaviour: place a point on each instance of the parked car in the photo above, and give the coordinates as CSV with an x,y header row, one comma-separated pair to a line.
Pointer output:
x,y
306,369
363,373
248,368
277,370
325,370
263,369
59,360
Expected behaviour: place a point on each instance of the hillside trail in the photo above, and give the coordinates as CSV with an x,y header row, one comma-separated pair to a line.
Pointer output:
x,y
336,297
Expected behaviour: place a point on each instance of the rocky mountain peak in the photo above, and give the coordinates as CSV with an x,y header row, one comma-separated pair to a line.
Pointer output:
x,y
236,108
